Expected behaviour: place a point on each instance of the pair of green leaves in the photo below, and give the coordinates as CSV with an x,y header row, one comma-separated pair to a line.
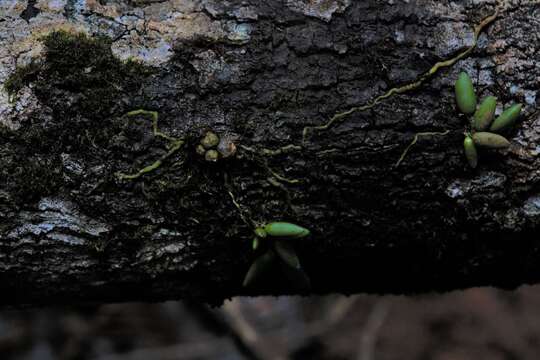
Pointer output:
x,y
482,119
274,242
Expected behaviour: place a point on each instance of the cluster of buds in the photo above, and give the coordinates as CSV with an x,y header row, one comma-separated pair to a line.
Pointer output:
x,y
212,147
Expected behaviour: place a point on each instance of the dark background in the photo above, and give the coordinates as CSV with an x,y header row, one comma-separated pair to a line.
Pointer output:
x,y
479,323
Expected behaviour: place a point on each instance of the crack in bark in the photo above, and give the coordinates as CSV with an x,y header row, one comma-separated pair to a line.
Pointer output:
x,y
31,11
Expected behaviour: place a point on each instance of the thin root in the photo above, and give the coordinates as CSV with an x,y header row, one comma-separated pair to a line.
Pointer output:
x,y
268,152
281,178
408,87
271,152
246,219
415,140
174,145
145,170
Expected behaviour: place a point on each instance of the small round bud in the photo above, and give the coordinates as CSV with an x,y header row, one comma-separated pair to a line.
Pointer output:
x,y
211,155
210,140
200,150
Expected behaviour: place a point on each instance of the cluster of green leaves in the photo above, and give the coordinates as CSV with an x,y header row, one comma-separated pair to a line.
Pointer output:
x,y
273,244
484,132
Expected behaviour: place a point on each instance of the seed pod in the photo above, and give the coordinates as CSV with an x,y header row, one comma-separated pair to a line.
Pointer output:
x,y
286,252
506,119
210,140
470,151
465,96
285,229
484,114
258,268
490,140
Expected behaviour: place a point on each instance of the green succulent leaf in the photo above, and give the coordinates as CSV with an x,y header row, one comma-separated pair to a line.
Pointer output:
x,y
286,252
296,277
285,229
490,140
261,265
506,119
470,151
465,95
484,114
255,243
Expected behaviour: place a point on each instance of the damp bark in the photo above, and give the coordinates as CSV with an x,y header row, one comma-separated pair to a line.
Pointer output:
x,y
73,229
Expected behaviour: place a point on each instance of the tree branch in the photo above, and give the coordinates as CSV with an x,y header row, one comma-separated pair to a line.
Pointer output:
x,y
96,206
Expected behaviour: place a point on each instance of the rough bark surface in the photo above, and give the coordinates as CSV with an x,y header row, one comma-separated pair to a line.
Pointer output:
x,y
258,73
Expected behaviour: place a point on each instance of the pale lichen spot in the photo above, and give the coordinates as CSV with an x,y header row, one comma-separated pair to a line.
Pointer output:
x,y
57,220
531,207
322,9
489,181
450,37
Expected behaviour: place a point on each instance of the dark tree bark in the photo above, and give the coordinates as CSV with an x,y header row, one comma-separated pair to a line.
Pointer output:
x,y
87,214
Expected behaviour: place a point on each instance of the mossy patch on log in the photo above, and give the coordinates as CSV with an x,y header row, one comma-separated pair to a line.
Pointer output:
x,y
74,63
84,91
82,87
20,77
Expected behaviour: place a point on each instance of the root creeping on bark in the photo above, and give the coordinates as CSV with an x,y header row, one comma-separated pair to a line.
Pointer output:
x,y
272,152
415,140
245,218
175,144
408,87
260,153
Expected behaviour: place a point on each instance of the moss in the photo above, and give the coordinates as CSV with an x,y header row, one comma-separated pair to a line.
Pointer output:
x,y
87,88
86,68
82,66
84,84
22,76
29,178
5,133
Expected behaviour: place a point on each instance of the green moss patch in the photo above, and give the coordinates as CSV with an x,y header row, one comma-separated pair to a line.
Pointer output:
x,y
22,76
84,89
80,66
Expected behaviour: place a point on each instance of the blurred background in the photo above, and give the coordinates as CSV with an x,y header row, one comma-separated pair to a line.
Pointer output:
x,y
480,323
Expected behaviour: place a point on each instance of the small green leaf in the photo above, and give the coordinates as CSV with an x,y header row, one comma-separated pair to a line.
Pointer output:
x,y
286,252
484,114
465,96
285,229
506,119
255,243
297,277
470,151
490,140
261,265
